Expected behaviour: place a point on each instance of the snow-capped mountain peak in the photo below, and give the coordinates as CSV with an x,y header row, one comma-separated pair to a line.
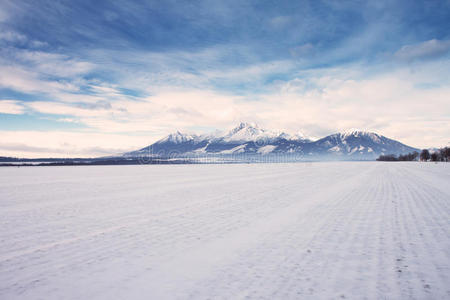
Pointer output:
x,y
178,137
299,136
244,125
251,132
360,133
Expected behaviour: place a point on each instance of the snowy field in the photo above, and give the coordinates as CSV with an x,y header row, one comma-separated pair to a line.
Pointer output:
x,y
269,231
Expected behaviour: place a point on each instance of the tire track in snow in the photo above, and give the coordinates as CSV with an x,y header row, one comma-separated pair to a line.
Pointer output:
x,y
322,219
79,258
430,241
239,242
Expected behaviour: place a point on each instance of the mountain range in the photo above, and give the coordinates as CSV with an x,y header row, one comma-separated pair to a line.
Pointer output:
x,y
248,140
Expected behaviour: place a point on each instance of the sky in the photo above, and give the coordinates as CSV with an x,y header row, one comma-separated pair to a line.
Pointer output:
x,y
94,78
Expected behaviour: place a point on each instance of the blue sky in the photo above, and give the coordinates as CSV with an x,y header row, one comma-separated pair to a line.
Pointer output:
x,y
84,78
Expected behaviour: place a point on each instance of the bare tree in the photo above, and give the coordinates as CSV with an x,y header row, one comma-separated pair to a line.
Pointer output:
x,y
445,153
434,156
425,155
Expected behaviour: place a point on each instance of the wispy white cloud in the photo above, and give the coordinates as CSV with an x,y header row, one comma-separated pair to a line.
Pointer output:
x,y
59,108
23,80
153,71
302,50
32,71
425,50
280,22
12,37
52,64
11,107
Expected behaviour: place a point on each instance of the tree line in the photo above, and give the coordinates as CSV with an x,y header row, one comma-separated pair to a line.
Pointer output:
x,y
442,154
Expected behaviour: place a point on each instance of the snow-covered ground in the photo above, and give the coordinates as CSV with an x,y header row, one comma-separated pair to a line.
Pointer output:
x,y
272,231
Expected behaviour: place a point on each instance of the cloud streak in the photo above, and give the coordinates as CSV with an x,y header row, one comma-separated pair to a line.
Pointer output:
x,y
11,107
426,50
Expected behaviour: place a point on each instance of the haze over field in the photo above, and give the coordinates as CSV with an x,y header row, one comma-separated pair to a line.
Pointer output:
x,y
84,79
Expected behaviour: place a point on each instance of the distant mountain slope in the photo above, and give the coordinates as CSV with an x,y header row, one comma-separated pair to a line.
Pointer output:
x,y
249,139
356,144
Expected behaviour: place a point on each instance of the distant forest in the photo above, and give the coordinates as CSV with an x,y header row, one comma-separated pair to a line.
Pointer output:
x,y
442,154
